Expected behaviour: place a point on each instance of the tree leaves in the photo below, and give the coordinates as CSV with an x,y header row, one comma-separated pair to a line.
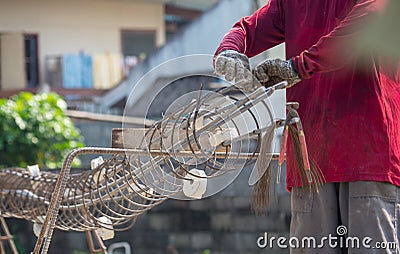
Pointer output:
x,y
35,130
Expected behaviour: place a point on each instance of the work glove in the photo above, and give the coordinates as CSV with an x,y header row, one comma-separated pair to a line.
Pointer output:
x,y
235,66
273,71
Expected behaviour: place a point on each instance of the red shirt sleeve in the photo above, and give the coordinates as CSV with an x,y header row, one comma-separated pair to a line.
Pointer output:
x,y
256,33
334,50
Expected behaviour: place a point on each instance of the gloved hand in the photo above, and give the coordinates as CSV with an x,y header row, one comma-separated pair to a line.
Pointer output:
x,y
273,71
235,66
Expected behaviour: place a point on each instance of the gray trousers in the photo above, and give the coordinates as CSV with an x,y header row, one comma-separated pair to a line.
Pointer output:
x,y
352,217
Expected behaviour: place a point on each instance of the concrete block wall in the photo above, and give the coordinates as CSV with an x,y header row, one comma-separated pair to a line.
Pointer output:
x,y
221,224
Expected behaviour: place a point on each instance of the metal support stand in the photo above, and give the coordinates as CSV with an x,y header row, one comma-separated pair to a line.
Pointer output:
x,y
7,237
101,247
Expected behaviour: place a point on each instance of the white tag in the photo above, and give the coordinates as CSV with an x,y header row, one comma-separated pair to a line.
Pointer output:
x,y
223,135
37,226
34,170
96,162
106,231
196,185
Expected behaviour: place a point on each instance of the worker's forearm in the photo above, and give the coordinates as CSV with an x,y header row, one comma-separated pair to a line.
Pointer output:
x,y
336,49
256,33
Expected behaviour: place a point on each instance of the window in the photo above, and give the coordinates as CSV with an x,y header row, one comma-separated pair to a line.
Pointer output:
x,y
0,64
136,43
31,59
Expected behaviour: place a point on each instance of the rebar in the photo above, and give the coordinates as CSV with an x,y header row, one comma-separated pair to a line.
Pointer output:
x,y
217,134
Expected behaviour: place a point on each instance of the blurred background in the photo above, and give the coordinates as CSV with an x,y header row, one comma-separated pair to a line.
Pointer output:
x,y
83,49
92,53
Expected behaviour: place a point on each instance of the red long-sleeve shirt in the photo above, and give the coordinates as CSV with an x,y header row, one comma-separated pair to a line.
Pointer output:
x,y
349,105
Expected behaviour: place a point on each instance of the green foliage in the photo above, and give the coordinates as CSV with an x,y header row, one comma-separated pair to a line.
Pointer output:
x,y
35,130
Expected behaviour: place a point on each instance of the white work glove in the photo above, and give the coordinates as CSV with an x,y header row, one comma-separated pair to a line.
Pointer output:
x,y
273,71
235,66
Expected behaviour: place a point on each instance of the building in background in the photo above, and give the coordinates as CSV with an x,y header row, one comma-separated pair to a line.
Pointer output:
x,y
93,52
83,44
43,41
86,50
202,36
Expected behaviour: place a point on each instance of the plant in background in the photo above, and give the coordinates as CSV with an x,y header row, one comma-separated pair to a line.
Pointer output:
x,y
35,130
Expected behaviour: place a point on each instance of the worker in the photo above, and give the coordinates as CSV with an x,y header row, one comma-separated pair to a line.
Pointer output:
x,y
350,109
